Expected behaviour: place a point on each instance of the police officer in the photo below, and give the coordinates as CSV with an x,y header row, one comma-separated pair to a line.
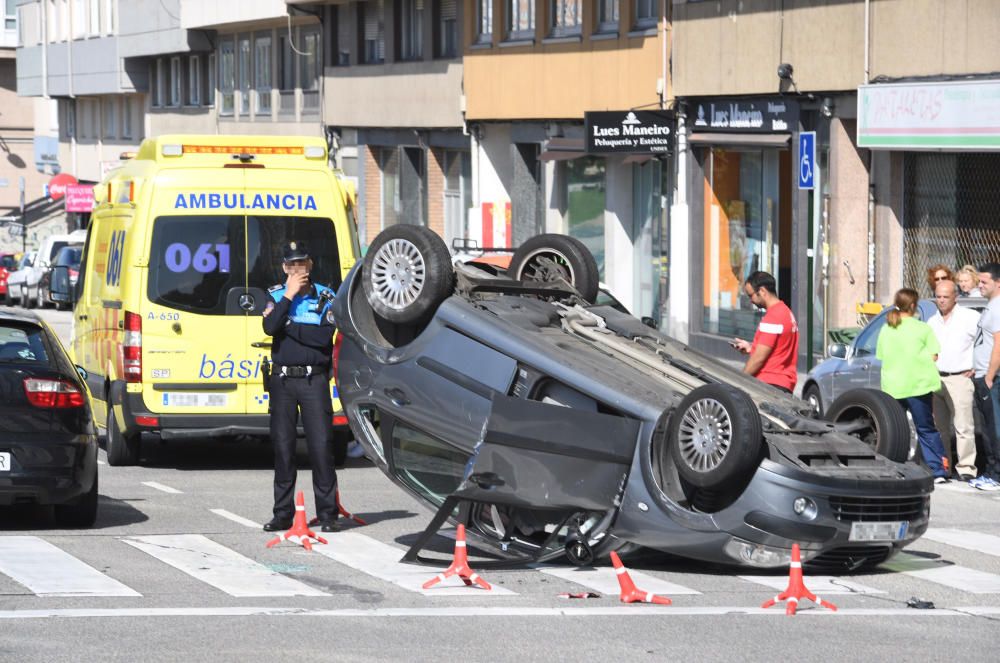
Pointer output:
x,y
301,322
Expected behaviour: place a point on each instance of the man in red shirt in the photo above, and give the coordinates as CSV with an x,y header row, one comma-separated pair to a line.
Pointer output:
x,y
774,352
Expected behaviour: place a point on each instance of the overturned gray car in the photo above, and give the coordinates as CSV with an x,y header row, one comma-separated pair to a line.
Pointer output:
x,y
550,427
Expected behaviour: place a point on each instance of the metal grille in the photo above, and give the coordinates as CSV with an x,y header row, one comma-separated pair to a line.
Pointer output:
x,y
950,212
849,558
878,509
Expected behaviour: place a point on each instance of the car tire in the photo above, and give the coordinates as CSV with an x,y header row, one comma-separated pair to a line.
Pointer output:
x,y
884,425
81,514
551,257
122,449
812,396
407,273
24,297
716,437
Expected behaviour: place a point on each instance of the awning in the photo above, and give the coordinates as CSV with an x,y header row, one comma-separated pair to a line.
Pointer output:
x,y
757,140
563,149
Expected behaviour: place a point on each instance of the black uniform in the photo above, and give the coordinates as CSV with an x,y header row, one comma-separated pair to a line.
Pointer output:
x,y
301,354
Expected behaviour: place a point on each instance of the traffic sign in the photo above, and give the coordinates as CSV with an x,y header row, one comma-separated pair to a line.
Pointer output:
x,y
807,160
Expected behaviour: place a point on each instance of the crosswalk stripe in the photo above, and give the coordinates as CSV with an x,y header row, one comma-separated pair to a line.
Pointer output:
x,y
219,566
49,571
605,580
236,519
942,573
381,560
977,541
821,585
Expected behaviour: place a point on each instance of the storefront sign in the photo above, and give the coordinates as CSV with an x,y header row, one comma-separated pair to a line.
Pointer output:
x,y
629,132
917,116
79,197
745,115
57,185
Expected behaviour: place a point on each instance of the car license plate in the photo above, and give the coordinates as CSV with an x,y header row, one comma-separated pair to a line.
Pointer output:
x,y
5,461
889,531
194,400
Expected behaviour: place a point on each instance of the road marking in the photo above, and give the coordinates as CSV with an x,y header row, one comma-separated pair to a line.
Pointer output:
x,y
984,543
821,585
101,462
381,560
236,519
659,612
943,573
605,580
49,571
160,486
219,566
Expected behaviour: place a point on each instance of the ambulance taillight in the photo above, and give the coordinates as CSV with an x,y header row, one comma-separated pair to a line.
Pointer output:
x,y
132,347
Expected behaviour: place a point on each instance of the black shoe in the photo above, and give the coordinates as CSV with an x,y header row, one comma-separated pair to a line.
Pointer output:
x,y
966,478
278,524
329,526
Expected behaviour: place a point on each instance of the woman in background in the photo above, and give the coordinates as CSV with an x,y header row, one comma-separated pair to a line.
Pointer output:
x,y
939,273
908,349
967,279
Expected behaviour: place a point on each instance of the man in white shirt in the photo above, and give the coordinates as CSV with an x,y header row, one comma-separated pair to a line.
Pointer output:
x,y
955,327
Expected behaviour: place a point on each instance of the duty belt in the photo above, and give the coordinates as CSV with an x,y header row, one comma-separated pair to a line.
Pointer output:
x,y
300,371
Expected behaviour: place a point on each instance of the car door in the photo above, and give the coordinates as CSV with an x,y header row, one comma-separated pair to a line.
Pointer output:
x,y
862,369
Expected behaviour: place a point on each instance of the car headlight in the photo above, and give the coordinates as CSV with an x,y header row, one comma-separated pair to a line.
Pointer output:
x,y
805,508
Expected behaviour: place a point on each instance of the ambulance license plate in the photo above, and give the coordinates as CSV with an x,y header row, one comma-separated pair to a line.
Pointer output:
x,y
188,399
5,461
888,531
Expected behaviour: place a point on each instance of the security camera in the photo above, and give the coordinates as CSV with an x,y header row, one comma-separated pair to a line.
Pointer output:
x,y
827,108
785,71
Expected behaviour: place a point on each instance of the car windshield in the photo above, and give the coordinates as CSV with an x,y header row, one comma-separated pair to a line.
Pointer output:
x,y
8,262
56,247
21,343
69,256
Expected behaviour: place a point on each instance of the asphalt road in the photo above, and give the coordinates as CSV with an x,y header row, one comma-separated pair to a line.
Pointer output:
x,y
177,568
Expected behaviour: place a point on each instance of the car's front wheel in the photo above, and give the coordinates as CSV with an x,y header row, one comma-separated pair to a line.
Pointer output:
x,y
716,437
407,273
550,258
812,396
81,514
876,418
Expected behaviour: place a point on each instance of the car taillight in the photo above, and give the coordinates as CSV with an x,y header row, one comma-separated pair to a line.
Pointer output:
x,y
132,347
52,393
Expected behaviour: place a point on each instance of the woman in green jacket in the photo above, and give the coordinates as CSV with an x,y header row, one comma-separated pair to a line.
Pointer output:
x,y
908,349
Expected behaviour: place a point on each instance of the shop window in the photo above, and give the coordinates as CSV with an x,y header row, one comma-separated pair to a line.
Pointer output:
x,y
646,229
527,192
390,203
227,63
585,193
567,18
744,230
646,13
430,467
520,19
411,29
372,31
262,73
446,24
457,192
484,22
607,15
243,73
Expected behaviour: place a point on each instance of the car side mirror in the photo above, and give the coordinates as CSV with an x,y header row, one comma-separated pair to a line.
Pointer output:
x,y
83,373
648,321
60,288
837,350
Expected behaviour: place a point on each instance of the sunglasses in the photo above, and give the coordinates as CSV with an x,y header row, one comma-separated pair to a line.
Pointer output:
x,y
940,278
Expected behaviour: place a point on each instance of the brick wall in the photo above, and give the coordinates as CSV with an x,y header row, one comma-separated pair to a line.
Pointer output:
x,y
372,194
435,190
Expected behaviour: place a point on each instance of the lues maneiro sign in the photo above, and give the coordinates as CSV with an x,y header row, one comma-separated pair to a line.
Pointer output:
x,y
629,132
743,115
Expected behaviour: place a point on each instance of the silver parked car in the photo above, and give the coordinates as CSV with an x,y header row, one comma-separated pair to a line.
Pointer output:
x,y
855,366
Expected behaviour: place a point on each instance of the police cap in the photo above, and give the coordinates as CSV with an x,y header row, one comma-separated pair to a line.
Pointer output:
x,y
295,250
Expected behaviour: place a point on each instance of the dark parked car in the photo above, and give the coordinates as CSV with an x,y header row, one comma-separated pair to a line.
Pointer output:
x,y
48,443
68,257
550,426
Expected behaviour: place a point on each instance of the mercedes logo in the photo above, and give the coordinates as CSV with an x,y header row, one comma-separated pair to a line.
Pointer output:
x,y
247,302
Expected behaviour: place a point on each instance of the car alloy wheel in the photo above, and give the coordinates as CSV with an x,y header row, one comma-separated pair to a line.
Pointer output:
x,y
705,435
398,274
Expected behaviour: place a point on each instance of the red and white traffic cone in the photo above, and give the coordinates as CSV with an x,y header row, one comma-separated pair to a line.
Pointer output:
x,y
300,532
340,510
630,593
459,566
796,588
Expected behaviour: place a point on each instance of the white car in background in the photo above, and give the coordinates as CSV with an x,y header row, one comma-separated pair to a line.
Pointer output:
x,y
16,279
29,289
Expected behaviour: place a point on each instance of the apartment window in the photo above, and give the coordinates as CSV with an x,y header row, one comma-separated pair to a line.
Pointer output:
x,y
446,23
262,72
311,69
10,15
210,89
159,83
484,21
79,19
567,17
286,64
175,81
243,73
607,15
94,17
411,29
645,13
194,81
110,121
70,118
520,19
226,75
344,34
373,31
126,117
110,16
52,24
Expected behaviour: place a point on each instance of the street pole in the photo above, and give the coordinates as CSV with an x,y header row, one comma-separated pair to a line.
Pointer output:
x,y
24,222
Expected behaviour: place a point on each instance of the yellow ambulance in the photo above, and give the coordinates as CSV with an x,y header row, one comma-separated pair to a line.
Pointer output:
x,y
184,242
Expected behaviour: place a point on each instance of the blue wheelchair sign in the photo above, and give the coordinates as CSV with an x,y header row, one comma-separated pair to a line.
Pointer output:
x,y
807,160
